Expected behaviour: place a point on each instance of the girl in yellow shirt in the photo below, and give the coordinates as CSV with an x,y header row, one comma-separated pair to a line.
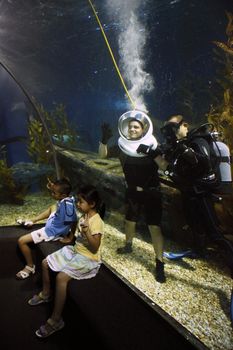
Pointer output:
x,y
79,261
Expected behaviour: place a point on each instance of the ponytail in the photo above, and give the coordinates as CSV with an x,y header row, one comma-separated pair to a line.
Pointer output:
x,y
101,209
90,194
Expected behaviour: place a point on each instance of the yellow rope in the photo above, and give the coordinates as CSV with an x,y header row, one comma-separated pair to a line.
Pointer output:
x,y
111,53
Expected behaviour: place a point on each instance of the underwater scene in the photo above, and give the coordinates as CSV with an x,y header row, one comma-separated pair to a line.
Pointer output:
x,y
135,98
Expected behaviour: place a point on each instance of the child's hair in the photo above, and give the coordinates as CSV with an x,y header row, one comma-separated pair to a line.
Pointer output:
x,y
90,194
64,184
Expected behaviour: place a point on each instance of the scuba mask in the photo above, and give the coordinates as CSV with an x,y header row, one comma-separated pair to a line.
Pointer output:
x,y
169,131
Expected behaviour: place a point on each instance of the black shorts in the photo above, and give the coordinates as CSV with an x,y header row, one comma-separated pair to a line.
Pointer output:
x,y
147,203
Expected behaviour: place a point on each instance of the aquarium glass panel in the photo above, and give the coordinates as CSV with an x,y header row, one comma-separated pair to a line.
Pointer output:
x,y
86,88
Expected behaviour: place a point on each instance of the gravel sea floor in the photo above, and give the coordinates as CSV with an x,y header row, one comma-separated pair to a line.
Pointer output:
x,y
197,292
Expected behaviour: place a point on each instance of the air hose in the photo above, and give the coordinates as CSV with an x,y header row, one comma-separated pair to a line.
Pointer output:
x,y
111,54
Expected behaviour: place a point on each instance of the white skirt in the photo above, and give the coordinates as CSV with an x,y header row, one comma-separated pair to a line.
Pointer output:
x,y
75,265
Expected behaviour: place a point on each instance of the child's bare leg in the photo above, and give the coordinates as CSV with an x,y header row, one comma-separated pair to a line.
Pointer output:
x,y
46,291
62,280
23,242
29,269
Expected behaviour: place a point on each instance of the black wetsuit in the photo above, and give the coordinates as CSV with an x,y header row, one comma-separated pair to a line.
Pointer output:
x,y
143,195
193,179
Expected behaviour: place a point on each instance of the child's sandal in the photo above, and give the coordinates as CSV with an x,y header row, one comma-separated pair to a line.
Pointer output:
x,y
49,328
38,299
26,272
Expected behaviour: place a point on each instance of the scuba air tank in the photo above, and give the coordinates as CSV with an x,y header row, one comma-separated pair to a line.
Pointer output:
x,y
223,160
220,158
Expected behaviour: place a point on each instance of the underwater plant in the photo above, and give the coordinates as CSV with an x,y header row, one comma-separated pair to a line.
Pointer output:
x,y
221,117
221,113
58,126
228,45
38,145
9,190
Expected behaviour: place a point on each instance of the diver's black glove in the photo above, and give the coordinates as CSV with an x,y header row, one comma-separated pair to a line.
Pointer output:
x,y
106,133
153,153
187,154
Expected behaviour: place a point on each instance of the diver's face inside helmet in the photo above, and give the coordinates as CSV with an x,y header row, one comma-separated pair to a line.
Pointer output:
x,y
135,130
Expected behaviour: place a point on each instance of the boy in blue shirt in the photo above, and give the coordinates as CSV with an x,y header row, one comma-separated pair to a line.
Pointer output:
x,y
60,225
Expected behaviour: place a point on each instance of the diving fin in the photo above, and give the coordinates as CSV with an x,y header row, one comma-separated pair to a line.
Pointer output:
x,y
177,256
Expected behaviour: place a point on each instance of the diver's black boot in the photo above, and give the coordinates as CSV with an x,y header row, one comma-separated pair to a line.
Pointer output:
x,y
159,272
199,246
126,249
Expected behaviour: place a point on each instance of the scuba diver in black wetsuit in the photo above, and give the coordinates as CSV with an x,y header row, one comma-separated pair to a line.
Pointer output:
x,y
143,193
193,173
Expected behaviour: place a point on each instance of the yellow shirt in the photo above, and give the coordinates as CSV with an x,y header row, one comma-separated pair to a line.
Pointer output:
x,y
96,225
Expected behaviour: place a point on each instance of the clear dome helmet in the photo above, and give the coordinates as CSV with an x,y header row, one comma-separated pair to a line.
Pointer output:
x,y
129,146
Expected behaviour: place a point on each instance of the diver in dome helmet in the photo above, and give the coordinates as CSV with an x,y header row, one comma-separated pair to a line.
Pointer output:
x,y
191,169
140,159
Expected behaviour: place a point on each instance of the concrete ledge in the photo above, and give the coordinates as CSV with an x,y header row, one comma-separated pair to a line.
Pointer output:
x,y
111,312
120,317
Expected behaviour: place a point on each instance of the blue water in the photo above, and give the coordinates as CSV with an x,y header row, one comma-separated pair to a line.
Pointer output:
x,y
57,52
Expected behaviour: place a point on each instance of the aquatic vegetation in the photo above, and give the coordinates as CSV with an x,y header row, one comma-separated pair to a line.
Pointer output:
x,y
9,191
221,113
58,125
38,146
228,46
222,117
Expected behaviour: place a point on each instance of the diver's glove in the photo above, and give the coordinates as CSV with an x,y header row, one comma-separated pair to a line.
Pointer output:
x,y
106,133
187,154
153,153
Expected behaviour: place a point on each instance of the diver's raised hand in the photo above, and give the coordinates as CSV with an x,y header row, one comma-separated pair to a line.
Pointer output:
x,y
106,133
